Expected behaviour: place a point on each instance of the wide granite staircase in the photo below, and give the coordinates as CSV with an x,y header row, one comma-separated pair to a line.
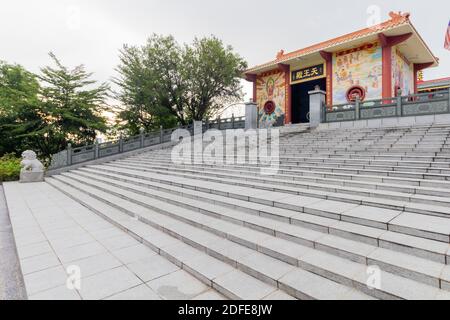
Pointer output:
x,y
351,214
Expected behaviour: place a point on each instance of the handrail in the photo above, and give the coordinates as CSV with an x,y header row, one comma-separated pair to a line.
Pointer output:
x,y
437,102
97,150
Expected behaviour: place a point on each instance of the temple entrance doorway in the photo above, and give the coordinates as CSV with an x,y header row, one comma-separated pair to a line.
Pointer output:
x,y
300,99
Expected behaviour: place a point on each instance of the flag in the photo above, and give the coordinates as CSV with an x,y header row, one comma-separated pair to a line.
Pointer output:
x,y
447,38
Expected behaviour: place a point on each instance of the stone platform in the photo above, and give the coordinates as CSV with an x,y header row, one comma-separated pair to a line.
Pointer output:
x,y
347,204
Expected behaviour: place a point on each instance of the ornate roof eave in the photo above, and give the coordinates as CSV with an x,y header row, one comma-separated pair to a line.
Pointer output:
x,y
397,20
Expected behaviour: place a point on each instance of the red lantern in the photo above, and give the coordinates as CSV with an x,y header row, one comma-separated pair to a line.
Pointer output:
x,y
354,92
269,107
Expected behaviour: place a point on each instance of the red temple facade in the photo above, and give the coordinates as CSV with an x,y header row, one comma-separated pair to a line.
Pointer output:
x,y
374,63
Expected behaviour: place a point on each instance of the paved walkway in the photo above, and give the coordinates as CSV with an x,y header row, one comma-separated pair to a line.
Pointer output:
x,y
11,280
55,234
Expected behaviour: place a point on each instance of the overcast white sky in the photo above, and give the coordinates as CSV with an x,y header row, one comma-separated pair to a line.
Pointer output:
x,y
91,32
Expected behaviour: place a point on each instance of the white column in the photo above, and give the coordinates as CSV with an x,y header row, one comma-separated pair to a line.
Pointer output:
x,y
251,116
316,104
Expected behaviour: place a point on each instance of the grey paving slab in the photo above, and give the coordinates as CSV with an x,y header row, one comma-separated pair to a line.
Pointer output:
x,y
58,293
80,252
210,295
152,267
108,283
40,262
44,280
34,249
178,285
95,264
242,286
134,253
306,285
435,227
279,295
380,215
141,292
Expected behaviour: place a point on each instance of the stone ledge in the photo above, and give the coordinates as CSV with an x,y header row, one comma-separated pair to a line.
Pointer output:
x,y
119,156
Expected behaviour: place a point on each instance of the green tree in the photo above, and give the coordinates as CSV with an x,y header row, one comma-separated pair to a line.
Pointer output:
x,y
212,74
19,111
46,112
163,82
148,79
72,107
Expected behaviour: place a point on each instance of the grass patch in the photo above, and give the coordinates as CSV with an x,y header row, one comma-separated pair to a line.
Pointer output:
x,y
9,168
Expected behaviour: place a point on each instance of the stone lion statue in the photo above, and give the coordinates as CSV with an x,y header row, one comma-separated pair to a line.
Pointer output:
x,y
32,169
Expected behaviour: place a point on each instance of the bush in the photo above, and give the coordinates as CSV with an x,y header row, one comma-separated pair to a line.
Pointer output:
x,y
9,168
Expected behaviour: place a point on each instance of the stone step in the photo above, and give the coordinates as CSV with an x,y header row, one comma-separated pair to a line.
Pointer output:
x,y
327,160
323,264
294,169
280,228
428,249
308,162
287,180
429,209
232,269
171,248
318,206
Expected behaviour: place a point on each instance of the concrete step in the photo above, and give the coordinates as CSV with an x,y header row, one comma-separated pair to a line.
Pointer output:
x,y
282,230
436,228
429,209
296,169
286,180
232,269
429,249
288,173
323,264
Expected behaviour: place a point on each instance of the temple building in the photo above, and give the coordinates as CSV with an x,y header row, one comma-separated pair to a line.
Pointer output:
x,y
433,85
373,63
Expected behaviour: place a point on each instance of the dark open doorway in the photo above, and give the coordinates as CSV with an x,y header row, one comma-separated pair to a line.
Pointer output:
x,y
300,99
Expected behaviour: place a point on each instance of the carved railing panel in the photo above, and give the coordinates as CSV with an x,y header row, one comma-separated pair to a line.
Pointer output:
x,y
78,155
411,105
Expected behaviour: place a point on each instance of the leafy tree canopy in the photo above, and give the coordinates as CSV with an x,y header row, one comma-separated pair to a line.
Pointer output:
x,y
48,111
162,82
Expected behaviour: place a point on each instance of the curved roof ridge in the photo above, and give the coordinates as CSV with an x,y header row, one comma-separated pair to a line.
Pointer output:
x,y
396,20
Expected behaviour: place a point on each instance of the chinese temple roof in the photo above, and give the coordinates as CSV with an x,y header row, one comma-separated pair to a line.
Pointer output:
x,y
434,84
397,25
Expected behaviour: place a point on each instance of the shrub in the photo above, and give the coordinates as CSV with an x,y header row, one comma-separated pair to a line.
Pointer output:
x,y
9,168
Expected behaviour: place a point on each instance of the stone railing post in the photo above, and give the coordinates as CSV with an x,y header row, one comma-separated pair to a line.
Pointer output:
x,y
251,116
218,123
96,149
69,154
120,144
323,111
161,134
141,137
357,108
232,121
399,111
316,101
448,107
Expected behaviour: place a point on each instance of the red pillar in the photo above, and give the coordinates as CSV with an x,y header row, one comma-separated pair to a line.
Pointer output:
x,y
387,43
387,72
328,57
287,79
418,67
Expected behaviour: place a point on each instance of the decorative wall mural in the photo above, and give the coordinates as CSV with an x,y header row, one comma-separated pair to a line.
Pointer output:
x,y
361,66
271,87
402,74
